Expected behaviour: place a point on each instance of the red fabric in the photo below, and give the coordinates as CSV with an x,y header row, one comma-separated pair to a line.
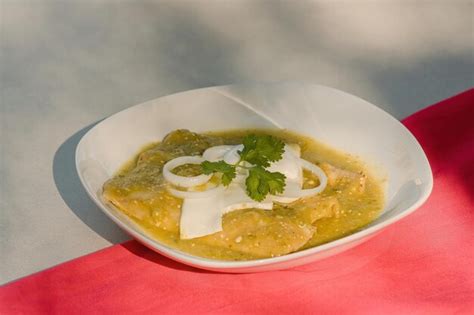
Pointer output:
x,y
421,265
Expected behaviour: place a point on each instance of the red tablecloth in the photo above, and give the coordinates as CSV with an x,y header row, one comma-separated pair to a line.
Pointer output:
x,y
421,265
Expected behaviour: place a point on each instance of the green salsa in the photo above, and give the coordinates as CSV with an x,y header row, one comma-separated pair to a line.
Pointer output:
x,y
352,199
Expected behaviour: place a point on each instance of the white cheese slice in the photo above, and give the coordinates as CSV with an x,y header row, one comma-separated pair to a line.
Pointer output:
x,y
216,153
289,165
200,217
203,216
235,198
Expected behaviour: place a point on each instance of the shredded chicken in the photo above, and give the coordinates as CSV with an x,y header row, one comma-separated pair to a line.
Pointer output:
x,y
316,207
337,176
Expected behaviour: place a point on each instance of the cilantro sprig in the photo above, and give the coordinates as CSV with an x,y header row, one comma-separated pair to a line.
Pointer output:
x,y
261,182
228,171
260,152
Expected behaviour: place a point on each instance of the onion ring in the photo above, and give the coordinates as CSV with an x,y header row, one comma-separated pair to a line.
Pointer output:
x,y
216,153
195,194
316,170
296,193
232,156
184,181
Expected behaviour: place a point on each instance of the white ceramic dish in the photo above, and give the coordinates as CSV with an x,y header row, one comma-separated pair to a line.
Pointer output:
x,y
329,115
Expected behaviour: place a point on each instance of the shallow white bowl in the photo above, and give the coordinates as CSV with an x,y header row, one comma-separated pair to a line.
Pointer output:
x,y
329,115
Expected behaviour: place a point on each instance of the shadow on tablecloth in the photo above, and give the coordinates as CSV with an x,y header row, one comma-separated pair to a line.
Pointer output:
x,y
74,195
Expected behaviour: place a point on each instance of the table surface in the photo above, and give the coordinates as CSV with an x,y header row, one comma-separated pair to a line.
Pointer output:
x,y
65,66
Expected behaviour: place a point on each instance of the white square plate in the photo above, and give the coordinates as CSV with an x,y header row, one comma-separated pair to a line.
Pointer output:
x,y
339,119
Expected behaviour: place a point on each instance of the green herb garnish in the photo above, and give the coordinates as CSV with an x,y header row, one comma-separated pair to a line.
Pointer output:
x,y
261,182
259,151
228,171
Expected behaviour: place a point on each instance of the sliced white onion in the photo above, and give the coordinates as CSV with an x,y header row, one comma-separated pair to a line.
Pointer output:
x,y
316,170
216,153
235,197
293,192
282,199
232,156
286,198
247,205
195,194
240,177
295,148
184,181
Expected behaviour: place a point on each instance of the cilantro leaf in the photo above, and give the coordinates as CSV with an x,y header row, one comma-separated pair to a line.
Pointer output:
x,y
227,170
261,150
261,182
